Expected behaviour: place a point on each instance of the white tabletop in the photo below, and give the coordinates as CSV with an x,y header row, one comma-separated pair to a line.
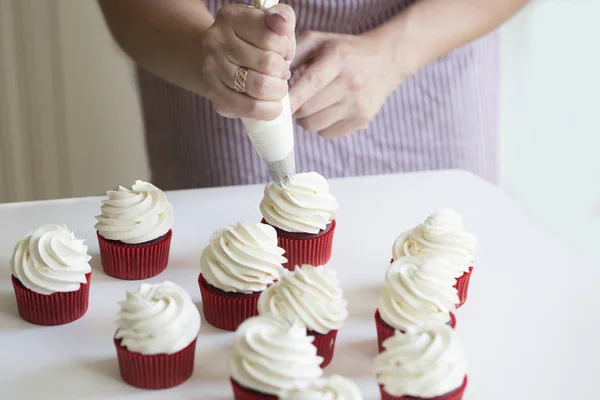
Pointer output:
x,y
529,326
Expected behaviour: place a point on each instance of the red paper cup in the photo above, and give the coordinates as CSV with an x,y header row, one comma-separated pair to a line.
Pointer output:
x,y
54,309
135,261
157,371
325,345
455,395
241,393
384,331
226,310
303,248
462,286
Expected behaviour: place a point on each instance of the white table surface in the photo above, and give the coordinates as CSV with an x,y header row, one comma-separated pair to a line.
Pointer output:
x,y
530,325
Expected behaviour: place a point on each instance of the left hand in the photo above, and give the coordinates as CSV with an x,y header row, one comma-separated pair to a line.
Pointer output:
x,y
347,80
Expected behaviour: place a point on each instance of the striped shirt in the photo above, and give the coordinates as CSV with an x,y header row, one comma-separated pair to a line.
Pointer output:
x,y
443,117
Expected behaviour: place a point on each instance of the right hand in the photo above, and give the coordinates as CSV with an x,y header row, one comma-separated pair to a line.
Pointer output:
x,y
261,42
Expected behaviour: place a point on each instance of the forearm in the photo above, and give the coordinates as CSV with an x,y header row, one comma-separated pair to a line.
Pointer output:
x,y
161,36
430,29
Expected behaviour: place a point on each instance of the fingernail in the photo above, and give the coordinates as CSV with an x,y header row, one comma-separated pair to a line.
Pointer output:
x,y
279,15
287,75
289,56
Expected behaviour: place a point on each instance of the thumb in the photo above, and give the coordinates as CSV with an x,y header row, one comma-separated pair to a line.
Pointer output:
x,y
308,43
282,20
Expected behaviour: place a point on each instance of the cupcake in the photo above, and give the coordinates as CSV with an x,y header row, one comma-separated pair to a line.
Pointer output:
x,y
416,291
134,232
442,234
240,262
156,336
51,276
303,212
313,296
426,363
332,388
270,357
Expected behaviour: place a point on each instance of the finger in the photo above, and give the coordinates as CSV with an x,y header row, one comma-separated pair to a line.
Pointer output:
x,y
256,32
318,75
323,119
307,45
257,85
249,56
332,94
230,104
340,129
281,18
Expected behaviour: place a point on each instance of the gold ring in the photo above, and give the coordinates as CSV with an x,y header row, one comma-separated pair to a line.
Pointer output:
x,y
239,83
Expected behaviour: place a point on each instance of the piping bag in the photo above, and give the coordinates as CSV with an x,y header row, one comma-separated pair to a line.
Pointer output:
x,y
274,140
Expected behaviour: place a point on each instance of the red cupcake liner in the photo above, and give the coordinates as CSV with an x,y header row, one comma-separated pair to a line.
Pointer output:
x,y
156,371
54,309
462,286
455,395
312,250
325,345
134,262
226,311
241,393
384,331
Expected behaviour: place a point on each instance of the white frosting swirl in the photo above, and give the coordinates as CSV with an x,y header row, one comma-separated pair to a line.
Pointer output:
x,y
332,388
309,294
302,204
135,216
442,234
426,362
158,319
243,258
272,356
417,291
51,259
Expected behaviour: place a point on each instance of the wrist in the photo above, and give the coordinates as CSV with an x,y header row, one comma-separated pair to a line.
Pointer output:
x,y
399,51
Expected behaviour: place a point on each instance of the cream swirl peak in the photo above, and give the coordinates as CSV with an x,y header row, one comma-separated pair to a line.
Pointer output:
x,y
331,388
442,234
51,259
310,294
158,319
272,356
302,204
135,216
424,362
417,291
243,258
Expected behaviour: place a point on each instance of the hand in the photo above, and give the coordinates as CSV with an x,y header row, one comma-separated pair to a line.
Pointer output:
x,y
347,80
261,42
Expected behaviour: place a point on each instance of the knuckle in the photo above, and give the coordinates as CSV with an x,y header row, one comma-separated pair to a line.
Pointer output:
x,y
314,81
337,50
259,84
268,62
360,106
226,12
251,107
355,82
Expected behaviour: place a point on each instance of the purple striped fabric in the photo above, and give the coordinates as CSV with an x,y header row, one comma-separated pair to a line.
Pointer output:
x,y
444,117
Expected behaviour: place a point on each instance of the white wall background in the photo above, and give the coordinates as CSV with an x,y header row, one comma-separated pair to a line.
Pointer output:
x,y
550,117
550,107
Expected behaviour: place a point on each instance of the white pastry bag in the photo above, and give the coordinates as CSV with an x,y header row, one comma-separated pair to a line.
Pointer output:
x,y
274,140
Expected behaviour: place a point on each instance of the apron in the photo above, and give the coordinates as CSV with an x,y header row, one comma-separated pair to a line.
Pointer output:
x,y
443,117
